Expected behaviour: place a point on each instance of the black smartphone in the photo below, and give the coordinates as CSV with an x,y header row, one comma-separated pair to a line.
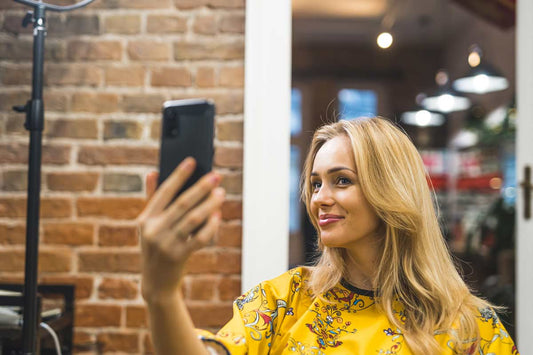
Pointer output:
x,y
187,130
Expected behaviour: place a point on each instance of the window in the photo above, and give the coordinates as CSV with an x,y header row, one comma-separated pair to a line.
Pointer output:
x,y
355,103
296,129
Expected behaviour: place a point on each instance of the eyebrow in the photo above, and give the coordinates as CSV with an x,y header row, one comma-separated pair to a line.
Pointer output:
x,y
334,170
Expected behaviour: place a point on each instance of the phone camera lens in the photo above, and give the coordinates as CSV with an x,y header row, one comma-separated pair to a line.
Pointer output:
x,y
174,132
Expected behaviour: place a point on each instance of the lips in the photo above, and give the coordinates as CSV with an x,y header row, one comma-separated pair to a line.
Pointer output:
x,y
327,219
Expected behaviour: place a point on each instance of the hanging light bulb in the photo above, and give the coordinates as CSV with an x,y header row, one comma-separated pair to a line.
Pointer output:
x,y
482,77
445,100
384,40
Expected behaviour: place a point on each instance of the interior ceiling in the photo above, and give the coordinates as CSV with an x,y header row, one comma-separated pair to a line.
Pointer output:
x,y
410,21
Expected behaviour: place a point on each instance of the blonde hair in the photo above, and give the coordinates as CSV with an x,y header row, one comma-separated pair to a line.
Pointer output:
x,y
415,266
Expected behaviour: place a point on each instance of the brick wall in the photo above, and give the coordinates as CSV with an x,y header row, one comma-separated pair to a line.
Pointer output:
x,y
109,67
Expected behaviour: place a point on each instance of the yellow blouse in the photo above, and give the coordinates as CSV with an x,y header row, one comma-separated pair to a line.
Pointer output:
x,y
279,317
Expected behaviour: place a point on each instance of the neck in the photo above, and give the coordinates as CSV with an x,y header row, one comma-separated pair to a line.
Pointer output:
x,y
361,266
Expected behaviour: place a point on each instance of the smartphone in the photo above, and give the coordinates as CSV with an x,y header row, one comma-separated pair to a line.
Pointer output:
x,y
187,130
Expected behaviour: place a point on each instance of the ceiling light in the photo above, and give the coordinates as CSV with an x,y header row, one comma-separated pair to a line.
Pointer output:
x,y
422,118
445,100
482,77
384,40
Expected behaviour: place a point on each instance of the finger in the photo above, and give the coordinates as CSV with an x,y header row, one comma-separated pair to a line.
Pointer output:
x,y
151,184
198,215
206,234
168,189
189,199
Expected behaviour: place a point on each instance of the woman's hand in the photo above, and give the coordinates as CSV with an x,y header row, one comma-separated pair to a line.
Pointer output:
x,y
172,231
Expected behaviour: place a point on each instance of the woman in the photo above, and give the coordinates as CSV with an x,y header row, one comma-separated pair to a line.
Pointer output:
x,y
384,283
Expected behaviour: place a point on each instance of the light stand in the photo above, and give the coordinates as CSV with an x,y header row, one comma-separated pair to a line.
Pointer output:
x,y
34,110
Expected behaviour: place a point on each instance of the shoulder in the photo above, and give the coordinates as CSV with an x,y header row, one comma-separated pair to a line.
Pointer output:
x,y
492,332
283,286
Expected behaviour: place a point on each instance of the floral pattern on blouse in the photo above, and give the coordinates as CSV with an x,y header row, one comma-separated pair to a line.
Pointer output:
x,y
280,317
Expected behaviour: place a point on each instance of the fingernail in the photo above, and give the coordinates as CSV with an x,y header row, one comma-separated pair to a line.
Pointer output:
x,y
215,179
187,163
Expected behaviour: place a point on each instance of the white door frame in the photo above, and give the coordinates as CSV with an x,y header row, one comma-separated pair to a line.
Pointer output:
x,y
524,151
265,245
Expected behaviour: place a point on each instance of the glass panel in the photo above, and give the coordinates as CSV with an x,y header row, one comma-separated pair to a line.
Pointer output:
x,y
294,208
296,112
356,103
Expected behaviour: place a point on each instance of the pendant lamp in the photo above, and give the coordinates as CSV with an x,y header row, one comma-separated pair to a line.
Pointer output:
x,y
482,78
446,99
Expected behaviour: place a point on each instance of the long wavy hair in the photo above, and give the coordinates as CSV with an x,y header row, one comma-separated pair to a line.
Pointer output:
x,y
415,266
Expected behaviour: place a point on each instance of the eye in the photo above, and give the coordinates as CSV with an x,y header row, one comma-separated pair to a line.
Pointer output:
x,y
316,185
343,181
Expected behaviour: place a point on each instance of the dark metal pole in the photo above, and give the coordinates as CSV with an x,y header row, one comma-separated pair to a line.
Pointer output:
x,y
34,123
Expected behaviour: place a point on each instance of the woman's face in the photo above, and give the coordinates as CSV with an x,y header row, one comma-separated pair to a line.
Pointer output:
x,y
345,218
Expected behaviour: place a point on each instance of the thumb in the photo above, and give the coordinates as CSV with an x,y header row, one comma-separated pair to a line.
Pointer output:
x,y
151,184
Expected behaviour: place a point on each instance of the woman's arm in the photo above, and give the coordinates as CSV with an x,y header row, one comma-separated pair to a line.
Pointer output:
x,y
170,232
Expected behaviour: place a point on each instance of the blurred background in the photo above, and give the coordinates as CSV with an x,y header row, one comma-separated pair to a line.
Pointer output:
x,y
464,134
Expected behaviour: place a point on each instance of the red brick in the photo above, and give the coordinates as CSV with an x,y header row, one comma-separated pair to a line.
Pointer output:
x,y
83,284
49,207
142,103
15,74
94,102
118,342
220,49
68,233
229,262
122,183
72,181
132,4
79,128
15,180
155,130
117,236
230,235
205,77
202,288
189,4
228,157
12,234
111,207
17,153
9,99
20,51
230,131
232,23
125,76
83,341
173,77
136,317
229,288
232,209
122,24
97,315
99,261
210,315
202,262
232,183
230,102
148,50
118,155
77,24
94,50
165,24
232,77
205,25
55,260
62,74
227,4
117,289
56,101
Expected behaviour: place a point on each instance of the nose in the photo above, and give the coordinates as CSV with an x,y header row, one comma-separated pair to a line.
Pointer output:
x,y
323,197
